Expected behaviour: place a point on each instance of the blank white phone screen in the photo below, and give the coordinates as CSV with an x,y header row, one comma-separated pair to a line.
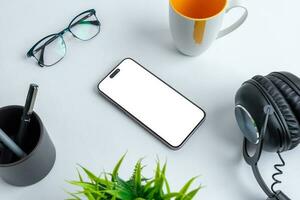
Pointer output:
x,y
152,102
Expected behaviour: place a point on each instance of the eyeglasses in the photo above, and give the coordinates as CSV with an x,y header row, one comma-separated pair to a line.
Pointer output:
x,y
52,49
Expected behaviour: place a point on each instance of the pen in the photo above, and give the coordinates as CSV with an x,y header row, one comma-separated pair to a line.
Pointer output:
x,y
11,145
26,116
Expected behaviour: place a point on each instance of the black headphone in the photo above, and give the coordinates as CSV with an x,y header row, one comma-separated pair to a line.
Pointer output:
x,y
267,109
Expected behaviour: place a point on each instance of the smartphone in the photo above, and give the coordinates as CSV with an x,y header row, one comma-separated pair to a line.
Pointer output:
x,y
151,102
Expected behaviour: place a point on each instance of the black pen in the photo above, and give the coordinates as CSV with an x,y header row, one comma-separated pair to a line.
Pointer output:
x,y
10,144
26,116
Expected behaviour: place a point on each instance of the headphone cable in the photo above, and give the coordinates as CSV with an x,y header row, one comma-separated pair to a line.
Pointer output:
x,y
278,173
253,162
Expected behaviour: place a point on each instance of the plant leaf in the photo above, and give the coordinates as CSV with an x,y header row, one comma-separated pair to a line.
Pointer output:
x,y
79,175
170,195
109,186
138,176
91,176
185,188
117,167
191,194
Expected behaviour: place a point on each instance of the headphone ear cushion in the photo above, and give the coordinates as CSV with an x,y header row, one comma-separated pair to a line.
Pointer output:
x,y
290,119
292,96
289,89
251,98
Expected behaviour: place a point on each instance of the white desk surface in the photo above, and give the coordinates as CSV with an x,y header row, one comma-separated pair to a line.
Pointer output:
x,y
89,130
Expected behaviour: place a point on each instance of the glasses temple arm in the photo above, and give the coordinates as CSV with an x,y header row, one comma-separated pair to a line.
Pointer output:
x,y
41,59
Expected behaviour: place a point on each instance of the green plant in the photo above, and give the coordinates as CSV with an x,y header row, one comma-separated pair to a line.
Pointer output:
x,y
111,186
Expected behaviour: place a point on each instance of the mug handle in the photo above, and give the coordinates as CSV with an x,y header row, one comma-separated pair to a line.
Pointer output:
x,y
238,23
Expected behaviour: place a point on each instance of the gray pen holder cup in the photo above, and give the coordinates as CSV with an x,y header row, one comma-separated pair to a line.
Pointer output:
x,y
38,146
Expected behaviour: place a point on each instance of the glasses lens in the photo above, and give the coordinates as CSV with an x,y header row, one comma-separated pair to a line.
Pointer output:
x,y
85,26
50,50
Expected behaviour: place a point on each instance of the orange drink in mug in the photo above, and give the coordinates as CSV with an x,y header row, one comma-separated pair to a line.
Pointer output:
x,y
196,24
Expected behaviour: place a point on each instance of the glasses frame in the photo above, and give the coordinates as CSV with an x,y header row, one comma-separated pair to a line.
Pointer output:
x,y
60,34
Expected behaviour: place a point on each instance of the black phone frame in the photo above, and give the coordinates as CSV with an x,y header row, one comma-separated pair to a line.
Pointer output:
x,y
140,122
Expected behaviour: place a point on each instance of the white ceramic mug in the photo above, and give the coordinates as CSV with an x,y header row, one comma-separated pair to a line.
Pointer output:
x,y
196,24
